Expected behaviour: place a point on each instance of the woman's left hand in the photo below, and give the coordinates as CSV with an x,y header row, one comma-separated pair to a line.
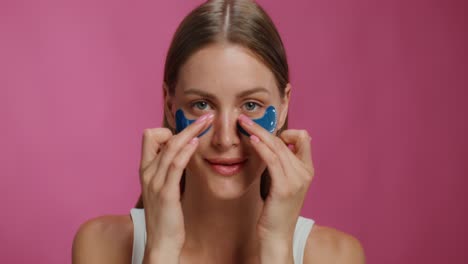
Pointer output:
x,y
291,174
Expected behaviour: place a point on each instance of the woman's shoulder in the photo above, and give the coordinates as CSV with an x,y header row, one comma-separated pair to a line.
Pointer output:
x,y
329,245
104,239
109,239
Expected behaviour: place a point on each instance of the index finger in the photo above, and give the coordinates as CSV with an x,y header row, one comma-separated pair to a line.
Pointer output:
x,y
154,139
255,129
192,130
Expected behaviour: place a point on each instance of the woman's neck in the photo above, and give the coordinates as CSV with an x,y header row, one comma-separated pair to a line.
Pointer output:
x,y
221,230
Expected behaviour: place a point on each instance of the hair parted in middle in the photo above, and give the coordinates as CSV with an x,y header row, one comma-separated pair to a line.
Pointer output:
x,y
236,22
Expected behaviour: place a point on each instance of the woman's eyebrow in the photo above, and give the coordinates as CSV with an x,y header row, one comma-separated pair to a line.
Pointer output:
x,y
241,94
199,92
252,91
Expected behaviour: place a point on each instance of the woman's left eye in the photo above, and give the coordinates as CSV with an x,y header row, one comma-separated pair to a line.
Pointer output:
x,y
251,106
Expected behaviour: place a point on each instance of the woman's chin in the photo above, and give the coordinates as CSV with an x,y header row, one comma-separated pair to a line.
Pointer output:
x,y
224,183
228,188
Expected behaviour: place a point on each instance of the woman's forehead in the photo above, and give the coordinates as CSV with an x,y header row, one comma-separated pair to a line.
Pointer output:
x,y
225,69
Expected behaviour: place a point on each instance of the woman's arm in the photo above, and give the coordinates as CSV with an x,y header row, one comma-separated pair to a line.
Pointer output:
x,y
166,256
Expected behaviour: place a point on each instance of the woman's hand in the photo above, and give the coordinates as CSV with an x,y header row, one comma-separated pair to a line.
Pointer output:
x,y
291,174
164,158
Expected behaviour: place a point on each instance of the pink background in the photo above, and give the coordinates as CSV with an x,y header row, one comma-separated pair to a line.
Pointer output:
x,y
380,85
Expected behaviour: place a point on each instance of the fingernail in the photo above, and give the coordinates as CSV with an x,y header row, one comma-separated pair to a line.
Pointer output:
x,y
194,141
254,138
245,119
204,117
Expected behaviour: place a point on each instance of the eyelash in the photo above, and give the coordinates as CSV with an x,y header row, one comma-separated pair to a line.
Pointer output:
x,y
257,105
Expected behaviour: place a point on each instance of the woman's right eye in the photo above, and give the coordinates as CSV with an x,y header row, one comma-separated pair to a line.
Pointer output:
x,y
200,105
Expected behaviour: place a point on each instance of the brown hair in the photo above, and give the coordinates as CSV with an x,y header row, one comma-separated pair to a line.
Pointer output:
x,y
240,22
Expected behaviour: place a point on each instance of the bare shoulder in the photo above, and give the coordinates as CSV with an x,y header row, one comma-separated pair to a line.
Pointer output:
x,y
104,239
329,245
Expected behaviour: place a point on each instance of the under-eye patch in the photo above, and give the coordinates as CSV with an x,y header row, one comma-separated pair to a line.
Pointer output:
x,y
182,122
267,121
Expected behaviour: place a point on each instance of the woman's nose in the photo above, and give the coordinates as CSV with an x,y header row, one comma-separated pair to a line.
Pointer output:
x,y
225,132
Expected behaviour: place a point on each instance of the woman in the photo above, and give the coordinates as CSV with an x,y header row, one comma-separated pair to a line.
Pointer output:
x,y
228,187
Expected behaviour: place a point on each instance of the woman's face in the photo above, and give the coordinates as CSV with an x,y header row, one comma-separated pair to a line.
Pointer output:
x,y
226,80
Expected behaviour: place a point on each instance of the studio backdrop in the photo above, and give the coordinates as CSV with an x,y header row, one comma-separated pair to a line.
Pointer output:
x,y
381,86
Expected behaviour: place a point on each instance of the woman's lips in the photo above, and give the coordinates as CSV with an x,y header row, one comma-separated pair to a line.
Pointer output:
x,y
227,169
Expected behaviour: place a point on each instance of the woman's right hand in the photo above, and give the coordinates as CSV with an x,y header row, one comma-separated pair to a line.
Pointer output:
x,y
164,158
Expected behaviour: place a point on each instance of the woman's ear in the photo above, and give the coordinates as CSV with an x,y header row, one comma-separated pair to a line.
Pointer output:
x,y
168,107
284,106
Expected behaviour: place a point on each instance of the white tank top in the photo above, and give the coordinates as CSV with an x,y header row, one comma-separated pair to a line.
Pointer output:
x,y
303,227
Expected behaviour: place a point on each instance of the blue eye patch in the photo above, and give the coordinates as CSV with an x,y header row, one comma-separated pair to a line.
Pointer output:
x,y
182,122
268,121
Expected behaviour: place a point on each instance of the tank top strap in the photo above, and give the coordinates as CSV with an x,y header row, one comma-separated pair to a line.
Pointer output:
x,y
301,233
139,235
